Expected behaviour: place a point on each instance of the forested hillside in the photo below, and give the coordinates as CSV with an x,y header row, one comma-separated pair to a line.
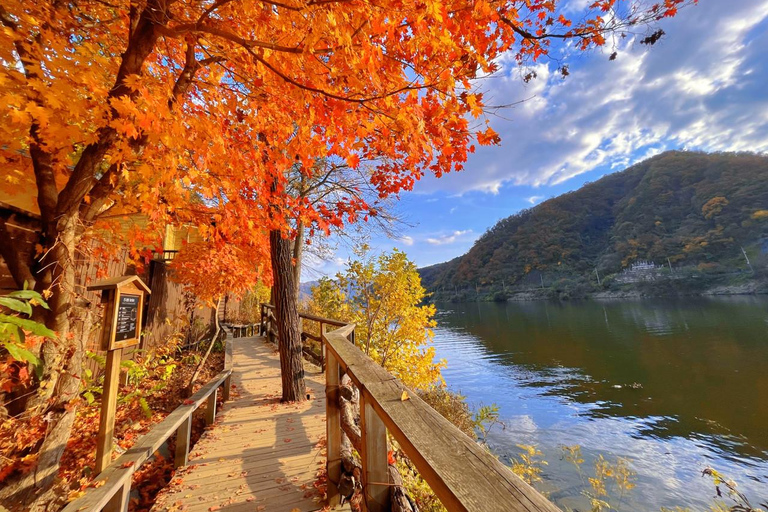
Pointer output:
x,y
691,212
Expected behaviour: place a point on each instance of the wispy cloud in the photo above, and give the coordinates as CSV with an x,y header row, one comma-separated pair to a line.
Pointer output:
x,y
448,239
534,199
407,240
701,87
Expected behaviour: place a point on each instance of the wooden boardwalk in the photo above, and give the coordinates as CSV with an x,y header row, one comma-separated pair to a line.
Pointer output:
x,y
260,455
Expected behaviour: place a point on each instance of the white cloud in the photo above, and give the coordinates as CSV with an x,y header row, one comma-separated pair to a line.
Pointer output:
x,y
700,87
448,239
407,240
534,199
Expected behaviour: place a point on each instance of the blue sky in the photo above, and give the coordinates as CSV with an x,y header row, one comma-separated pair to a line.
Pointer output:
x,y
704,87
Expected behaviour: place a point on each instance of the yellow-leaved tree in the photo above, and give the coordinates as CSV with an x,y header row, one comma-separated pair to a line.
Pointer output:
x,y
384,297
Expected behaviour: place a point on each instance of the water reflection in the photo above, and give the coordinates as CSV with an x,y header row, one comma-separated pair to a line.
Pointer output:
x,y
675,385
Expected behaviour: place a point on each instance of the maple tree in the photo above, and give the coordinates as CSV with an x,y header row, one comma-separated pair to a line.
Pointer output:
x,y
192,112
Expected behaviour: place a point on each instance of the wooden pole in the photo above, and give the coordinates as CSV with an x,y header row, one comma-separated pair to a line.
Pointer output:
x,y
210,409
119,502
183,434
374,459
322,346
108,409
333,427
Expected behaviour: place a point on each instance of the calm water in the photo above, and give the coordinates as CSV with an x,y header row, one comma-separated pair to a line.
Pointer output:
x,y
561,374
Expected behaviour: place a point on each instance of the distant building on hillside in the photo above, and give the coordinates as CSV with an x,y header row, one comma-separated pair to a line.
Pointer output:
x,y
641,270
642,266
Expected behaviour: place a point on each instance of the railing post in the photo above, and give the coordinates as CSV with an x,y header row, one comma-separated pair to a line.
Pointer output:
x,y
182,442
210,408
227,366
374,459
333,428
227,386
119,501
108,410
322,347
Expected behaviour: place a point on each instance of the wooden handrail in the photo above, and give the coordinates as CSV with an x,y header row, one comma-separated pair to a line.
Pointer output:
x,y
268,321
114,493
463,475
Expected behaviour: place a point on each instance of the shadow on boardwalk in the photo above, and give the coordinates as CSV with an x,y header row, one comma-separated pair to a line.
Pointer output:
x,y
260,455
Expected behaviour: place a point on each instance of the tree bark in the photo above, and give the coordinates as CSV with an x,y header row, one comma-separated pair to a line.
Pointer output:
x,y
298,252
62,362
285,299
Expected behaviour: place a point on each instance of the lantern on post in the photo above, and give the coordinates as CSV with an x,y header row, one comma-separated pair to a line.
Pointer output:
x,y
123,299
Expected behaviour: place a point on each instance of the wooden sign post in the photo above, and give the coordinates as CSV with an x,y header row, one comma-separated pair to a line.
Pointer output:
x,y
123,298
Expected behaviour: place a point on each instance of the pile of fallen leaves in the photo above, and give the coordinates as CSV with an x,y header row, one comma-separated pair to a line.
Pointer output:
x,y
143,402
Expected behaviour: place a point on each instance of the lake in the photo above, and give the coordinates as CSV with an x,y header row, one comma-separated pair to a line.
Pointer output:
x,y
673,385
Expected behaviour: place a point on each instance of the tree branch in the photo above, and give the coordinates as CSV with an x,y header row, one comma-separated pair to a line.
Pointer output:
x,y
9,250
140,45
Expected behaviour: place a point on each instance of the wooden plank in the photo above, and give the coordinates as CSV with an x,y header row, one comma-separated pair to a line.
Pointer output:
x,y
256,452
460,472
329,321
316,359
120,479
229,480
259,448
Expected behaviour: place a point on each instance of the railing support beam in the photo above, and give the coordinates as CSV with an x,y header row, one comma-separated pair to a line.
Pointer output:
x,y
182,442
333,429
226,389
374,459
210,408
119,502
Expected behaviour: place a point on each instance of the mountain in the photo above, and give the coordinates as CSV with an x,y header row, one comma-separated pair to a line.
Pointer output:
x,y
691,212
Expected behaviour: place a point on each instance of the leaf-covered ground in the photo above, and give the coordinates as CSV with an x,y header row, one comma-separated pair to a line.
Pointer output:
x,y
162,390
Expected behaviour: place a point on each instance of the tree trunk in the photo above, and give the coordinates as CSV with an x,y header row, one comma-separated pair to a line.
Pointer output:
x,y
62,362
285,299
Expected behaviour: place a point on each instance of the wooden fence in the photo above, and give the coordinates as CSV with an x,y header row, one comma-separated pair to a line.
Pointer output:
x,y
461,473
114,493
268,328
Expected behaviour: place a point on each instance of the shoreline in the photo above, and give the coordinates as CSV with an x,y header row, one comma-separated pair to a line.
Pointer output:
x,y
751,288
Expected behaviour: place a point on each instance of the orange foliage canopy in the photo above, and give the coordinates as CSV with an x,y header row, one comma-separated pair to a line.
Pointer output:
x,y
191,111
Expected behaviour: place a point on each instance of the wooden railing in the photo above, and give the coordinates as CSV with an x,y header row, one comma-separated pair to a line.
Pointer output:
x,y
268,328
114,493
461,473
240,330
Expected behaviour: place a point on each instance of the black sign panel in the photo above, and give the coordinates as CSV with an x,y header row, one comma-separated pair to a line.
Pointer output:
x,y
127,317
